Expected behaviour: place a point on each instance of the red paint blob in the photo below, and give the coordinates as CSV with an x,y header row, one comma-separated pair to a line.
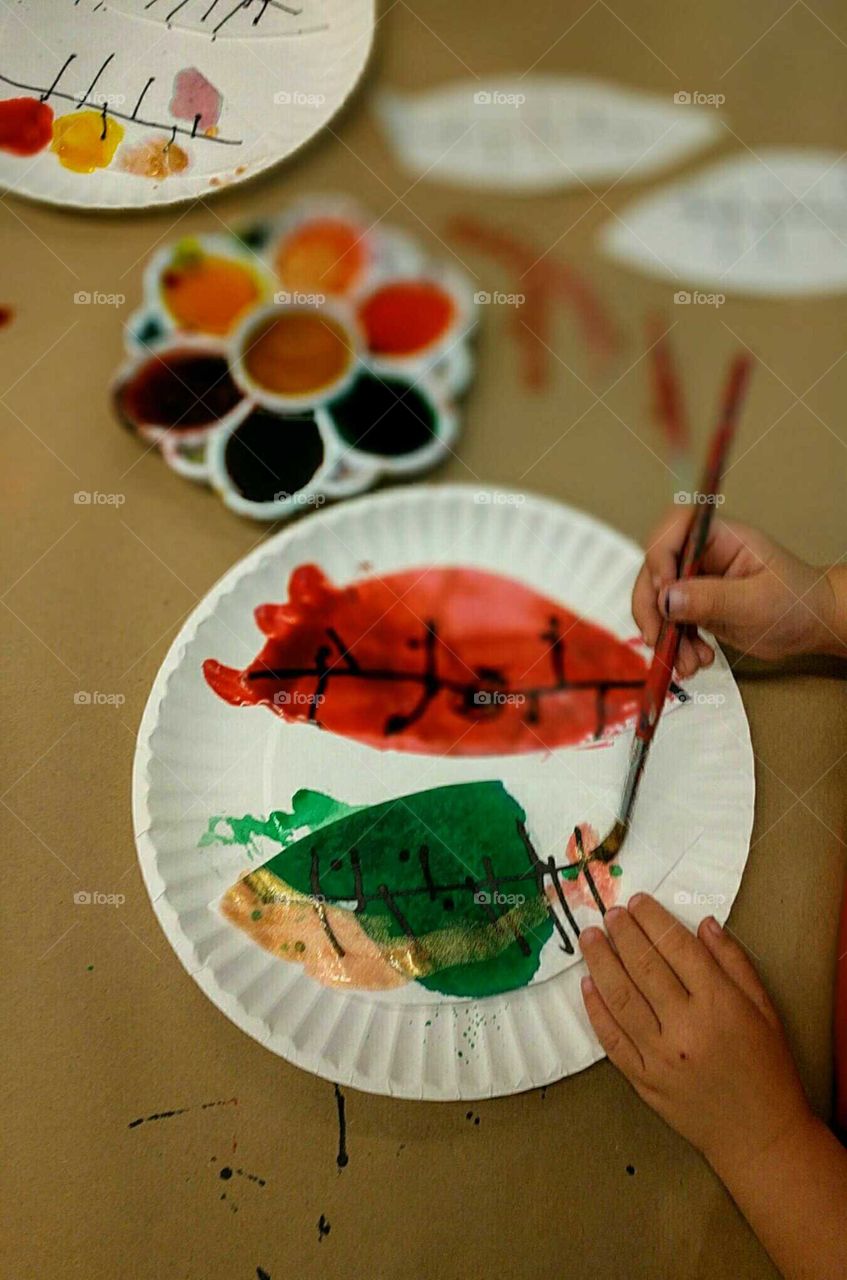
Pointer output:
x,y
407,317
6,314
439,661
26,125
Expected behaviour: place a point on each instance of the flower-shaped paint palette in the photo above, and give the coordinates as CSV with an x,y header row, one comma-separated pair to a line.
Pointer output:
x,y
298,362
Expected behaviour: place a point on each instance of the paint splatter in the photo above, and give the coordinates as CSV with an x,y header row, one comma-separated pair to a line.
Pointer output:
x,y
6,315
261,1274
181,1111
453,661
156,158
342,1159
86,140
26,126
324,1228
196,99
448,891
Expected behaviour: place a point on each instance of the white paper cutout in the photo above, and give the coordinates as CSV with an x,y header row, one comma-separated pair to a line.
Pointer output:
x,y
540,132
264,84
770,223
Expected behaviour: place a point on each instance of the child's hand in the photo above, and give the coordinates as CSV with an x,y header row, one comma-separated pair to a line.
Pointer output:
x,y
689,1024
754,594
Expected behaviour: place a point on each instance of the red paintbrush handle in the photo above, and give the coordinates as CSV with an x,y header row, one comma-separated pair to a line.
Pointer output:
x,y
658,681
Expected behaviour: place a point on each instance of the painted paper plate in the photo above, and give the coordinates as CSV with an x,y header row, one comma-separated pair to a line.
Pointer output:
x,y
143,102
372,771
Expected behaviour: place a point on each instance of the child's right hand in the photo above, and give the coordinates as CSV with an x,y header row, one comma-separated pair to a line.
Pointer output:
x,y
753,594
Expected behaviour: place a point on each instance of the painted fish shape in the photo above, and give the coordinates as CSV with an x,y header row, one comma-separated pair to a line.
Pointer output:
x,y
436,660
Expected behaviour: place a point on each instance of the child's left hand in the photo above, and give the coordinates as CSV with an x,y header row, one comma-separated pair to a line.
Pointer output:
x,y
690,1025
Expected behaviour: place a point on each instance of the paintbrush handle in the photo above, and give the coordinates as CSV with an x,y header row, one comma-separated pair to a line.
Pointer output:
x,y
693,549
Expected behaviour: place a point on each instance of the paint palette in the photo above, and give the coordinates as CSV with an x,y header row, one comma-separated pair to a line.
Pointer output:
x,y
373,768
145,102
298,362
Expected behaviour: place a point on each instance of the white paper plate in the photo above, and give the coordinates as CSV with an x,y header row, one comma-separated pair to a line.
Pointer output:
x,y
283,71
198,757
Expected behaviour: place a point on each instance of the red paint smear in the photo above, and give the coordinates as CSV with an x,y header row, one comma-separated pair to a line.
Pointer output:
x,y
668,407
543,281
442,661
406,317
26,125
6,314
578,892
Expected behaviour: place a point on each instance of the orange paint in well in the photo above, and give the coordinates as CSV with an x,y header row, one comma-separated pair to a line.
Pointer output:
x,y
324,256
406,317
297,353
207,293
86,140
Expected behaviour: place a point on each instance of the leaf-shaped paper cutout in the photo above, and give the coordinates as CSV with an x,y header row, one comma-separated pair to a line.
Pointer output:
x,y
443,887
437,660
541,131
771,223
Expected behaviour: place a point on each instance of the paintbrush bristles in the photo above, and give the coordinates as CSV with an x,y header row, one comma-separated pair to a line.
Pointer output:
x,y
611,846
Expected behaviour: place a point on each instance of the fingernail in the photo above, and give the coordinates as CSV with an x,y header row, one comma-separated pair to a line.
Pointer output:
x,y
613,914
672,601
590,936
636,900
712,927
587,985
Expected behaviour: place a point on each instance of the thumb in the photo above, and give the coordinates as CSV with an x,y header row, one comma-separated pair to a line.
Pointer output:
x,y
718,604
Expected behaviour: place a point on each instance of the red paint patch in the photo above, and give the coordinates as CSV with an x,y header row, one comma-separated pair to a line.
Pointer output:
x,y
579,892
442,661
6,314
406,317
26,126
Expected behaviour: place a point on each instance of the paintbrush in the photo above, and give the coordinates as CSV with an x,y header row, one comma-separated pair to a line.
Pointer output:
x,y
689,562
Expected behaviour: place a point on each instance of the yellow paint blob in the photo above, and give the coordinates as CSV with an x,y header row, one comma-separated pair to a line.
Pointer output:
x,y
207,293
85,141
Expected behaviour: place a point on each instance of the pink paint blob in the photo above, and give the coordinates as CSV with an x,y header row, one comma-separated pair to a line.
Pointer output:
x,y
196,98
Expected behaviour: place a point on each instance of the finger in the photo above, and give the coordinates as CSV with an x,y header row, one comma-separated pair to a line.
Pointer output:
x,y
618,1047
651,974
705,652
735,963
645,606
620,995
686,955
687,659
718,604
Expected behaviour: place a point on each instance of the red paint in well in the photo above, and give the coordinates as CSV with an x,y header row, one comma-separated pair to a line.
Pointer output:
x,y
26,125
406,317
440,661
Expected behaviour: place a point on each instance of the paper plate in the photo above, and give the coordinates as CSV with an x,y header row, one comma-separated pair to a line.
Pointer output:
x,y
208,773
152,101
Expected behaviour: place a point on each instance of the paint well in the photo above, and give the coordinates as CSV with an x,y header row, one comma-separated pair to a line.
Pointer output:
x,y
182,390
297,353
323,256
385,416
207,293
406,317
269,457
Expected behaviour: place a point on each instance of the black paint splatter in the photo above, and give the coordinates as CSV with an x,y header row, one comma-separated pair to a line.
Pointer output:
x,y
342,1159
181,1111
261,1274
630,1168
324,1228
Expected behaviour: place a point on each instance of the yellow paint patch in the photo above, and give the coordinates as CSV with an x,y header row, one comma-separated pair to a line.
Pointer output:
x,y
83,141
